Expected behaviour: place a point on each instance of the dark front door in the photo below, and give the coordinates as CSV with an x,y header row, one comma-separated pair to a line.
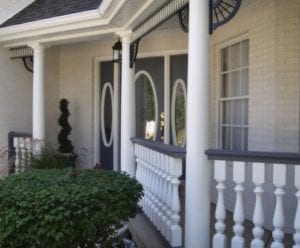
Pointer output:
x,y
106,115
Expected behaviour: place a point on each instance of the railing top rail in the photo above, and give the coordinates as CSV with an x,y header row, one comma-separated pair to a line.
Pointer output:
x,y
254,156
170,150
19,134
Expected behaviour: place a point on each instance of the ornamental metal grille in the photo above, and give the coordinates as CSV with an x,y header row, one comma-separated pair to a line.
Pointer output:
x,y
159,16
21,52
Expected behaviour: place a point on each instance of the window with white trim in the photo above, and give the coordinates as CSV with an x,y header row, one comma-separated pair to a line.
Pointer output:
x,y
233,96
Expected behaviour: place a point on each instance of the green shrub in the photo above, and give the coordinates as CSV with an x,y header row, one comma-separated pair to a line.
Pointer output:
x,y
48,158
65,208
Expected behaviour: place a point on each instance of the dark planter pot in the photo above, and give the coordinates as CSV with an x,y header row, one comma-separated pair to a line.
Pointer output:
x,y
70,158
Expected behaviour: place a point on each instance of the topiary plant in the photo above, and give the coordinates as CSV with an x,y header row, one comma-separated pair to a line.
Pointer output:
x,y
65,145
66,208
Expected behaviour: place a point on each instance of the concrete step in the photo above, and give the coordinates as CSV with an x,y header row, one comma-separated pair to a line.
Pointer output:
x,y
145,234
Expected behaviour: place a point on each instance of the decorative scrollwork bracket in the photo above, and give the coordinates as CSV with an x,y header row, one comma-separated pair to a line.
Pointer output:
x,y
28,63
134,48
220,12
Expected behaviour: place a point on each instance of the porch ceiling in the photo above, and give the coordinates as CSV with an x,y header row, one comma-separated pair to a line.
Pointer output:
x,y
114,17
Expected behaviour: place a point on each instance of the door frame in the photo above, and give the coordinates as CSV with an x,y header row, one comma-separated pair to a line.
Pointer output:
x,y
96,112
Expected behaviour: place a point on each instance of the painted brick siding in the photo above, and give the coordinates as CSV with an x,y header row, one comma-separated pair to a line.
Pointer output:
x,y
287,69
52,95
15,97
76,83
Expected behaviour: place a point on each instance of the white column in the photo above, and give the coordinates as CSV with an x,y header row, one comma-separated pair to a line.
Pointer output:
x,y
38,96
127,107
197,222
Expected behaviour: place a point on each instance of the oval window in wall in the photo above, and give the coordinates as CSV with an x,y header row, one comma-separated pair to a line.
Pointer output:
x,y
146,106
178,113
107,114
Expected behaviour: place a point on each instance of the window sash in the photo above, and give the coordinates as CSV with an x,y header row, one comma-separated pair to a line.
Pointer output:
x,y
233,96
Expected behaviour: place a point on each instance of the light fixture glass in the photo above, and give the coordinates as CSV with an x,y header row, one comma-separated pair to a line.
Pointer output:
x,y
117,52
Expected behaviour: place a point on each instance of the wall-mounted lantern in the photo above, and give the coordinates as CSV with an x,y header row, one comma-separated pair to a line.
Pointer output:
x,y
117,52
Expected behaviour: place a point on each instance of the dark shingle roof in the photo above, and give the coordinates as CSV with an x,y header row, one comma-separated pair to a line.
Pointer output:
x,y
43,9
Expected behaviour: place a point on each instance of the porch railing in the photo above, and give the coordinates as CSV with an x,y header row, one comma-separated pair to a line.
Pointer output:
x,y
158,169
20,147
238,162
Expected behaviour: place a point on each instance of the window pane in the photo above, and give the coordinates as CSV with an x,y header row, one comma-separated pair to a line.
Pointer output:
x,y
237,112
234,88
224,59
245,53
226,138
235,56
237,138
226,112
245,82
145,108
180,104
224,86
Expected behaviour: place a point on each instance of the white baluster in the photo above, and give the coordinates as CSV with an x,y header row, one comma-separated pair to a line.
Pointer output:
x,y
219,239
297,217
169,201
155,188
239,178
152,198
258,178
28,142
279,180
160,187
17,159
137,173
165,196
176,231
23,154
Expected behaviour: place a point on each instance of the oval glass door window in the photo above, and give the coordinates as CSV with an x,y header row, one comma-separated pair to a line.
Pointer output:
x,y
146,106
107,114
178,112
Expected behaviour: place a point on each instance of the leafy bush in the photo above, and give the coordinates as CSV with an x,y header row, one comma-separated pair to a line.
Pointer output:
x,y
48,158
65,208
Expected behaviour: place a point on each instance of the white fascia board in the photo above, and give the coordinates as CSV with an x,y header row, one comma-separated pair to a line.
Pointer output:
x,y
104,6
55,24
66,38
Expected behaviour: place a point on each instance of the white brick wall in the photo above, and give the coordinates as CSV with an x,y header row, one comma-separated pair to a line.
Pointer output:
x,y
15,97
52,95
76,83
